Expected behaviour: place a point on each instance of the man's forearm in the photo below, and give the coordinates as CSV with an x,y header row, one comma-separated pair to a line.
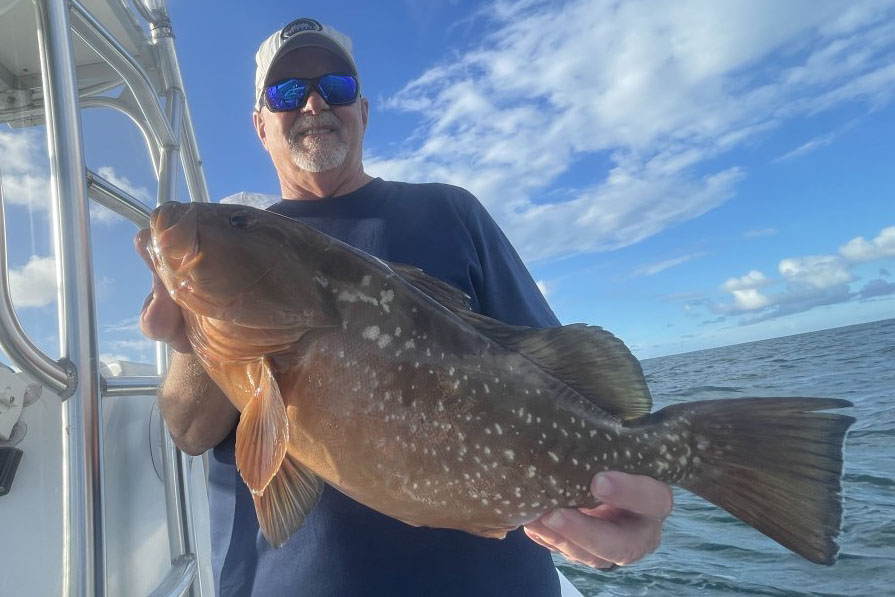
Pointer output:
x,y
198,414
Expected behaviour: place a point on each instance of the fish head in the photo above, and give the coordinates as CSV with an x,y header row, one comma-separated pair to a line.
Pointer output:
x,y
239,264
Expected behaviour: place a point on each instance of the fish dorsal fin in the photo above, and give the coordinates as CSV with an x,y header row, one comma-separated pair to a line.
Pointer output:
x,y
263,430
286,501
447,295
586,358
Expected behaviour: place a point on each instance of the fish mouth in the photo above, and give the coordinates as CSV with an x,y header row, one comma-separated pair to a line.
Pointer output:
x,y
176,250
175,237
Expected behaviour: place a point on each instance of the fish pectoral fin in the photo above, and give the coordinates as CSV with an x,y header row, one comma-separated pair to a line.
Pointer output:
x,y
286,501
263,430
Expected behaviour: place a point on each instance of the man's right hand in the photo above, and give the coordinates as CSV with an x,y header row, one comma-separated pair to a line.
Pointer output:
x,y
198,414
161,318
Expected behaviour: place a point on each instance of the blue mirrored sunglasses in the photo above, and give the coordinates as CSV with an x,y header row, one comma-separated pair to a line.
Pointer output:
x,y
291,94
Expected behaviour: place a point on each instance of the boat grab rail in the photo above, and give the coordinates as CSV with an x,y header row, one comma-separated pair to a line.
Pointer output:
x,y
135,77
171,138
59,376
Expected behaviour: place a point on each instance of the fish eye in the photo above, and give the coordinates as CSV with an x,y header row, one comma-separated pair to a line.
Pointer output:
x,y
242,220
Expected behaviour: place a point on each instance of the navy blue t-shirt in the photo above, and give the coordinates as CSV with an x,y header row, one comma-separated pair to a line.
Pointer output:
x,y
344,548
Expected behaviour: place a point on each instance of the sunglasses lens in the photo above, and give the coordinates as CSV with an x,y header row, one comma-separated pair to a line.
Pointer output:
x,y
286,95
338,90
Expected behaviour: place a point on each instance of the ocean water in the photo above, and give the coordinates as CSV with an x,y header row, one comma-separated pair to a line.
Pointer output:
x,y
704,550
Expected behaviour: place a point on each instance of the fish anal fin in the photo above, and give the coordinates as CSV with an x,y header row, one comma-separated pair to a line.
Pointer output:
x,y
491,533
263,430
286,501
586,358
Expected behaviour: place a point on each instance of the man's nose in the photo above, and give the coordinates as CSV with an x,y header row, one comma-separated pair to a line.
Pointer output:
x,y
315,103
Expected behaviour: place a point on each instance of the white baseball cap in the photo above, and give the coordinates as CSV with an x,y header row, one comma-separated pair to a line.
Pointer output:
x,y
300,33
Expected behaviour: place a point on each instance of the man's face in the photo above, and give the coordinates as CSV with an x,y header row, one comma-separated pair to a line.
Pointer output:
x,y
316,137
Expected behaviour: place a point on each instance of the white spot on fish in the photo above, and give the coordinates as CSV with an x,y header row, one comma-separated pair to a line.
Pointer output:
x,y
385,297
487,391
509,454
371,332
553,456
531,472
384,340
498,429
365,281
321,279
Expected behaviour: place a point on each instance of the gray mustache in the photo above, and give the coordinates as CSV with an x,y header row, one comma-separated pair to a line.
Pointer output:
x,y
310,122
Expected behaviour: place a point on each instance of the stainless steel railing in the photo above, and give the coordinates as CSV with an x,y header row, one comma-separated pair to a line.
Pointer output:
x,y
171,140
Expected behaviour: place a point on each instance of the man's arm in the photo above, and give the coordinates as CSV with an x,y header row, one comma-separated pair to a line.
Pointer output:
x,y
198,414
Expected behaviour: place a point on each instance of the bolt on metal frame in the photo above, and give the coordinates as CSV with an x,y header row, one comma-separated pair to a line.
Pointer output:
x,y
76,376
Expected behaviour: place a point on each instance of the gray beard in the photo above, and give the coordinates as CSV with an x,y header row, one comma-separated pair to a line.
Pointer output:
x,y
318,155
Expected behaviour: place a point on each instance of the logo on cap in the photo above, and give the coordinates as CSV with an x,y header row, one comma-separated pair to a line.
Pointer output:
x,y
299,26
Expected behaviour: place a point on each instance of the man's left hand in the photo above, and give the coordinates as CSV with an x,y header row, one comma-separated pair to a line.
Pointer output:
x,y
626,526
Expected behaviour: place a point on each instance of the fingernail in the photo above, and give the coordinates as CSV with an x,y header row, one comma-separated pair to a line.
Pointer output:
x,y
603,485
554,521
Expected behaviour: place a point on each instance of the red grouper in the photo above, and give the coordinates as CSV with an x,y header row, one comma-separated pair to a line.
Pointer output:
x,y
379,380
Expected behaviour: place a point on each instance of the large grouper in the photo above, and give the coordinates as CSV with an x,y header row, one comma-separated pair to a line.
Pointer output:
x,y
379,380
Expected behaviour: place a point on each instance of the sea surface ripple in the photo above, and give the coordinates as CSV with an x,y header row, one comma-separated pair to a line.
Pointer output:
x,y
704,550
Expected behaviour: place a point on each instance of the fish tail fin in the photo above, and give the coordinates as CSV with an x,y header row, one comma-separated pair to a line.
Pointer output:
x,y
774,463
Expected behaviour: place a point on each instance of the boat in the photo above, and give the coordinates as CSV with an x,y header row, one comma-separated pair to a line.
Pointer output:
x,y
95,497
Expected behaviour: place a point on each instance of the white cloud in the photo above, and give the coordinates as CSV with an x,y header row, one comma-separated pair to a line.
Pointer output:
x,y
818,271
24,169
808,147
655,268
34,284
754,279
760,232
749,299
543,287
858,249
808,282
657,88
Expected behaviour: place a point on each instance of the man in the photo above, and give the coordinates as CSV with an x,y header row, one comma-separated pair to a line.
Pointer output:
x,y
311,117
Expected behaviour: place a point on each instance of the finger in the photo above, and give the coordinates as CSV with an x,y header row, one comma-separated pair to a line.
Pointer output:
x,y
547,538
141,244
622,540
636,493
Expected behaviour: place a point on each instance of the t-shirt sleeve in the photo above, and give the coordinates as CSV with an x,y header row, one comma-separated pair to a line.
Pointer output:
x,y
503,286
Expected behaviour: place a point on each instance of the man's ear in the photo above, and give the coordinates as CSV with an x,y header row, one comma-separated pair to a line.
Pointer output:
x,y
364,110
258,121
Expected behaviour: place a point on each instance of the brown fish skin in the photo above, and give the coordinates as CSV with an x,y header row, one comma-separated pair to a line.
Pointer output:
x,y
378,380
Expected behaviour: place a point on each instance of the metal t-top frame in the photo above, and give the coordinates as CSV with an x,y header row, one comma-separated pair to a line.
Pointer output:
x,y
76,377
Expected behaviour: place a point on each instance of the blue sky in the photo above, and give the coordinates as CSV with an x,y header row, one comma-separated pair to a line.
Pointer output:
x,y
687,174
